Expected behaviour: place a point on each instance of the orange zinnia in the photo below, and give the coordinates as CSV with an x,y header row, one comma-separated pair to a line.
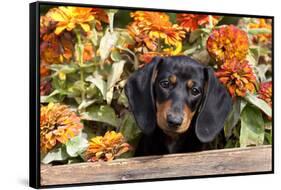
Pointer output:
x,y
148,56
100,16
88,52
192,21
107,147
58,124
265,92
150,27
55,50
237,77
227,43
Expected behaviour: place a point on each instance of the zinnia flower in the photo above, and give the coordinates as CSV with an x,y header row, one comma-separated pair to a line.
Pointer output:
x,y
265,92
100,16
237,77
150,27
88,52
58,124
44,69
45,87
106,148
69,17
148,56
47,25
228,43
191,22
262,24
56,49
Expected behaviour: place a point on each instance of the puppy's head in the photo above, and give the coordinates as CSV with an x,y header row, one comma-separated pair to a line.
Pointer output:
x,y
178,91
168,92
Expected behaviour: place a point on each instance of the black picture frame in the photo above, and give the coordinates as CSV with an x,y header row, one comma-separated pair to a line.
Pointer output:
x,y
34,94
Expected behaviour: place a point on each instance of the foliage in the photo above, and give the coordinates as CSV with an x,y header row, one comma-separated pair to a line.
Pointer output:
x,y
86,60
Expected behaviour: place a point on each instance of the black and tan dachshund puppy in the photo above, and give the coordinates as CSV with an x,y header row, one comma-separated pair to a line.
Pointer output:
x,y
178,104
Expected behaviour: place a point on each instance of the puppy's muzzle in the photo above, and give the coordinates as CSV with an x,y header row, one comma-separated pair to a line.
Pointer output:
x,y
174,120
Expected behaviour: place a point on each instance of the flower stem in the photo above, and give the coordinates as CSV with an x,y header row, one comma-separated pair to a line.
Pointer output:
x,y
159,45
80,62
79,48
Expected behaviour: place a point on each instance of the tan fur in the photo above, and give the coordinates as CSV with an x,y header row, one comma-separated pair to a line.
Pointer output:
x,y
162,110
161,114
189,83
173,79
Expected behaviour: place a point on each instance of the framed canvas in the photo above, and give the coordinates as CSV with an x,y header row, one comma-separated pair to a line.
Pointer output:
x,y
130,94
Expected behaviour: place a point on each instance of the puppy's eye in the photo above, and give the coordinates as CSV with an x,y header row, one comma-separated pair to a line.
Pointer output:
x,y
195,91
164,84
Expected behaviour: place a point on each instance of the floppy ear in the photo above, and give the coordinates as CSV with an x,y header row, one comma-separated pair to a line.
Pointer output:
x,y
215,106
139,91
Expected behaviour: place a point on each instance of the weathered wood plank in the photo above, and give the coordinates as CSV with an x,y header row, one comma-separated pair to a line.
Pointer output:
x,y
225,161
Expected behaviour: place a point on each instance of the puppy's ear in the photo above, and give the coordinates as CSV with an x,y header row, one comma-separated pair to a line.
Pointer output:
x,y
215,106
139,91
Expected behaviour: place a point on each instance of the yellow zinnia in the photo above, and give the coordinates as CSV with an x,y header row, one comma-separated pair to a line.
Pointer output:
x,y
107,147
68,18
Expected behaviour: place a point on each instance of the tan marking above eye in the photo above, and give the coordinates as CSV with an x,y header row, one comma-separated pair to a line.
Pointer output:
x,y
189,83
173,79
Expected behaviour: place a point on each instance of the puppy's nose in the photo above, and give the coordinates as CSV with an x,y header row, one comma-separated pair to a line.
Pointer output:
x,y
174,120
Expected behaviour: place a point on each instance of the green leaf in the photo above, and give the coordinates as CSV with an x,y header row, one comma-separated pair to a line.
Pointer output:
x,y
63,68
123,99
136,61
101,113
86,103
113,78
251,59
129,128
51,97
77,145
259,31
125,38
232,118
131,132
111,13
78,86
94,39
268,124
268,137
99,83
252,127
190,51
262,70
46,99
107,42
115,55
242,105
57,154
261,104
195,35
90,131
255,51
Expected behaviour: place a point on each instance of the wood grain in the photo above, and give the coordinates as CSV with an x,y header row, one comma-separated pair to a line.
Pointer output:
x,y
214,162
